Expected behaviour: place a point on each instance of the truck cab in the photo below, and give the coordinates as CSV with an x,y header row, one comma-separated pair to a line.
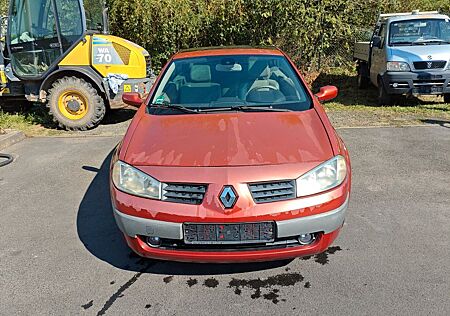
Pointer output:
x,y
408,54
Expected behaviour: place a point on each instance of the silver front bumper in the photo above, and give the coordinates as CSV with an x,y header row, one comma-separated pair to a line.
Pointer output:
x,y
324,222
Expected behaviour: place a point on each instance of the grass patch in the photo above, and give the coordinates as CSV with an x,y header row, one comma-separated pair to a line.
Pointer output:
x,y
355,107
33,121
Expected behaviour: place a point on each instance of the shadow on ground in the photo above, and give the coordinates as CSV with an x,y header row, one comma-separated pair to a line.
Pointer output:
x,y
98,232
118,116
442,123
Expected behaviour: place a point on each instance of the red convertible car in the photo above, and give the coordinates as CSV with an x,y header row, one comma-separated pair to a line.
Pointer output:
x,y
231,158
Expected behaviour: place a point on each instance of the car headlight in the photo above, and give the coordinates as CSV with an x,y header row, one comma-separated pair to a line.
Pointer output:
x,y
397,66
326,176
131,180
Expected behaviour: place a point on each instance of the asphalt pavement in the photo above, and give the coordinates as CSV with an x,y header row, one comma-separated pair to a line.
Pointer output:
x,y
61,253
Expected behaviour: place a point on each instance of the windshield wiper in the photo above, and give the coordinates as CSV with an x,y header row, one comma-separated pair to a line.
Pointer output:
x,y
245,108
178,107
401,43
431,41
437,42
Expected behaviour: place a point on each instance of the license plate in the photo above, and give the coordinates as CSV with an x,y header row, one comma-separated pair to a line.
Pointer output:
x,y
427,90
239,233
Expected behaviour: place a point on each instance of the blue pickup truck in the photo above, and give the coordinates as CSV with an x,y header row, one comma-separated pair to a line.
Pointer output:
x,y
408,54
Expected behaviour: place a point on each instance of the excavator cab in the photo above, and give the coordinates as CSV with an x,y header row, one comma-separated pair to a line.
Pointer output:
x,y
41,32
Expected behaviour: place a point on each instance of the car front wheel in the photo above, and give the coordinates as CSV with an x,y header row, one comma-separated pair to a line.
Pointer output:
x,y
447,98
384,98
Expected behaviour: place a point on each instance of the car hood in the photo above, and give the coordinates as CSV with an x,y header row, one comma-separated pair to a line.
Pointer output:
x,y
229,139
419,53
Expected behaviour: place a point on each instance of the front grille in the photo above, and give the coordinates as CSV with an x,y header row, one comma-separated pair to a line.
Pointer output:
x,y
279,243
428,82
265,192
421,65
184,193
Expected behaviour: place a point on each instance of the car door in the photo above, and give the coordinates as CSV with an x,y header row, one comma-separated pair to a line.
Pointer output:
x,y
378,56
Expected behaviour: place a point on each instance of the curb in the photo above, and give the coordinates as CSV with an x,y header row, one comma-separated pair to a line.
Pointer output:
x,y
390,126
11,137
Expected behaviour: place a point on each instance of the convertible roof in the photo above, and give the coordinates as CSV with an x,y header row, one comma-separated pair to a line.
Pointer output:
x,y
228,50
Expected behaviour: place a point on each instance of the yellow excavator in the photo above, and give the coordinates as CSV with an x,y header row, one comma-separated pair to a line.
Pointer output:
x,y
60,53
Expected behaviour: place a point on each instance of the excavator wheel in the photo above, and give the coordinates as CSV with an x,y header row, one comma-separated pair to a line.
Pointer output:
x,y
75,104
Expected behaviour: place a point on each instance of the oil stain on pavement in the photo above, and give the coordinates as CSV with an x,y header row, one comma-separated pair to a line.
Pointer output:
x,y
256,285
211,282
168,279
271,283
119,293
191,282
88,305
322,258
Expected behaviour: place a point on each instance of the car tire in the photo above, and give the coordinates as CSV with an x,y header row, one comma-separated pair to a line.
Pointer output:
x,y
447,98
384,98
75,104
363,80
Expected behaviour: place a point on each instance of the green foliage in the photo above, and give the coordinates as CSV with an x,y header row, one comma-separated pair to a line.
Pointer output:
x,y
3,7
307,30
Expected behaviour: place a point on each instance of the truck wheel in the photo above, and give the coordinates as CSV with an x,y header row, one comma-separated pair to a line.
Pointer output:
x,y
363,80
383,97
75,104
447,98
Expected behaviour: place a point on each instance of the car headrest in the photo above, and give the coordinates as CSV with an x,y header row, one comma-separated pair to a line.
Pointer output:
x,y
265,73
201,73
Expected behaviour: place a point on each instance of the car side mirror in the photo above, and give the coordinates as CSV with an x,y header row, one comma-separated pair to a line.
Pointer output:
x,y
376,42
327,93
132,98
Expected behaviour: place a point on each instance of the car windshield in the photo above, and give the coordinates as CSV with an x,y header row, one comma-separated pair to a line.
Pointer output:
x,y
420,32
234,81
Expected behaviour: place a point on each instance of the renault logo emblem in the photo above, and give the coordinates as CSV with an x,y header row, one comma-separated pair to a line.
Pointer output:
x,y
429,64
228,196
